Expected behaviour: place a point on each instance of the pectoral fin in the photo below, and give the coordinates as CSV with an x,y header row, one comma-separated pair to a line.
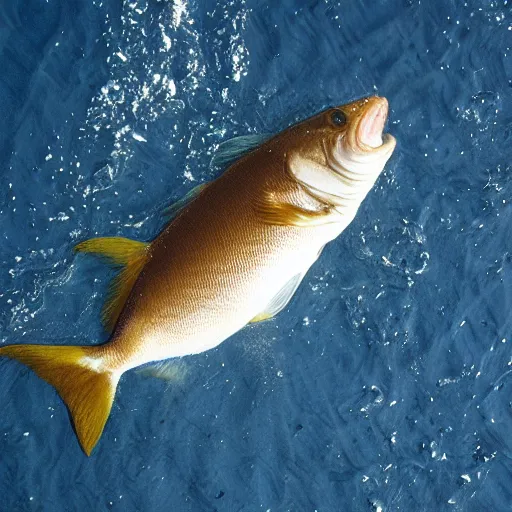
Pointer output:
x,y
281,299
272,211
118,251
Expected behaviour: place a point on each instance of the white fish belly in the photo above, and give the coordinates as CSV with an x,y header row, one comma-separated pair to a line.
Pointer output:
x,y
211,324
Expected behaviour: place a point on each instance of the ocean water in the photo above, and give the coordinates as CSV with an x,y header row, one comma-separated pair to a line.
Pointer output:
x,y
386,383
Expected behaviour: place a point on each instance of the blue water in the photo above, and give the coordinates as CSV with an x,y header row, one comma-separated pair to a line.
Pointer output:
x,y
386,384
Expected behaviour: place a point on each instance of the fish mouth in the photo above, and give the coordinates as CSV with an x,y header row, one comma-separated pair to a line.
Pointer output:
x,y
367,133
371,125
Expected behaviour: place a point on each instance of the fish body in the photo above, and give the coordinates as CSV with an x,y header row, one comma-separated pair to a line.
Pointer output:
x,y
217,266
235,253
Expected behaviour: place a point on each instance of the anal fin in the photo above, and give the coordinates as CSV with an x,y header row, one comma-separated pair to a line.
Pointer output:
x,y
170,370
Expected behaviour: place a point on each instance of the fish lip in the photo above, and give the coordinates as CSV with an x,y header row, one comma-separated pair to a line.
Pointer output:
x,y
362,154
370,124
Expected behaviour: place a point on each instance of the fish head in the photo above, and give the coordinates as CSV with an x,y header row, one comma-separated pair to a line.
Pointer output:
x,y
340,152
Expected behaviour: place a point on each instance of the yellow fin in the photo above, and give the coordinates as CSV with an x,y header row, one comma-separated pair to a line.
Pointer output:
x,y
119,251
171,370
115,249
261,318
118,293
77,374
286,214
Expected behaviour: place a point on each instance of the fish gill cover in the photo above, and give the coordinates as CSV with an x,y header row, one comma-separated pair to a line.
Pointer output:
x,y
386,383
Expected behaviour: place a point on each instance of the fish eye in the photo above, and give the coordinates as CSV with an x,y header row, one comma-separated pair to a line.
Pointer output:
x,y
338,118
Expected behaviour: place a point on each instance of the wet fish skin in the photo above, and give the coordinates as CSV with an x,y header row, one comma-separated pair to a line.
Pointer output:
x,y
234,254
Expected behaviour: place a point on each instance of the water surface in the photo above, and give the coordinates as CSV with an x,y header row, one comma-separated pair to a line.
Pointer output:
x,y
386,383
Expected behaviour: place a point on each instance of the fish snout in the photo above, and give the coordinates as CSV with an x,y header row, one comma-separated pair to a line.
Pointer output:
x,y
367,121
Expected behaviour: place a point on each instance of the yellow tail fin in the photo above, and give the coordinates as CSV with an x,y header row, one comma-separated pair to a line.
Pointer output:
x,y
79,376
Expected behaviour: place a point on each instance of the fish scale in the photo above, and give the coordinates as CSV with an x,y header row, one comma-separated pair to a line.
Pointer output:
x,y
234,253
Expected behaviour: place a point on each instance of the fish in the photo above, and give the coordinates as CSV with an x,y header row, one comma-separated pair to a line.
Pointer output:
x,y
233,253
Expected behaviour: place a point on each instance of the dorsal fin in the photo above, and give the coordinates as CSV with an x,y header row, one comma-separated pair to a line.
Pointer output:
x,y
233,149
171,211
118,292
117,251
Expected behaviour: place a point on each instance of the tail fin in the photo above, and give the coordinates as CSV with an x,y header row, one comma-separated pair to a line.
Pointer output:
x,y
80,377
